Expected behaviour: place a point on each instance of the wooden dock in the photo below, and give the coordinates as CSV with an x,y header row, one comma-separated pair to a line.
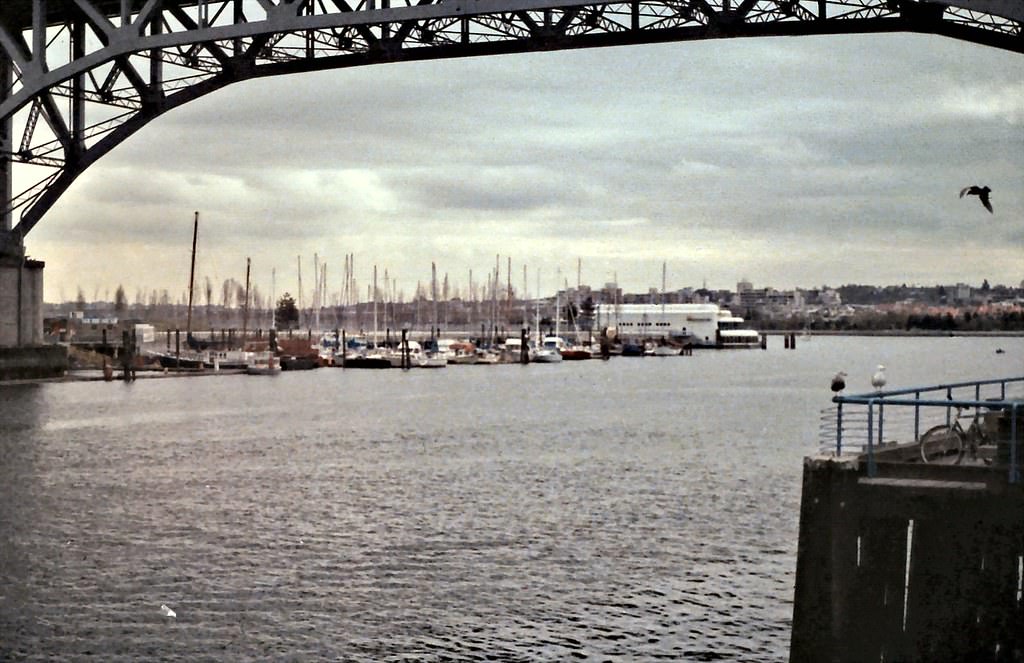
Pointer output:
x,y
900,560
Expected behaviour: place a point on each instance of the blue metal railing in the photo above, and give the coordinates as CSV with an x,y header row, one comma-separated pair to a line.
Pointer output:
x,y
859,423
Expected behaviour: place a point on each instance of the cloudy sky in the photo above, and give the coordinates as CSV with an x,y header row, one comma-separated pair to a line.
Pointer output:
x,y
787,161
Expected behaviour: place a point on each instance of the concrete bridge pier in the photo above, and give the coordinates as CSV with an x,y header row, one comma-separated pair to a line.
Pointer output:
x,y
22,353
21,296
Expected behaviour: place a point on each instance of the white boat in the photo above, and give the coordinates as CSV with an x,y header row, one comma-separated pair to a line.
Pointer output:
x,y
417,357
664,351
414,351
546,356
462,353
550,351
227,360
263,363
512,350
487,357
433,360
732,333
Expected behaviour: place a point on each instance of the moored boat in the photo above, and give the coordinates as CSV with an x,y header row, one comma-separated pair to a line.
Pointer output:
x,y
263,363
367,360
299,362
187,360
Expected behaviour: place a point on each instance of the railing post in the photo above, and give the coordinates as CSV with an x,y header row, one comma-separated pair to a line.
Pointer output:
x,y
881,421
839,430
1014,469
871,437
917,415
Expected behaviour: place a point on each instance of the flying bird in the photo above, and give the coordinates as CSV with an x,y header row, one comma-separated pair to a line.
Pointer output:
x,y
167,612
981,192
839,382
878,379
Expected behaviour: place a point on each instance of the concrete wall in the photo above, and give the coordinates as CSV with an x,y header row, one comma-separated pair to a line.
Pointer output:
x,y
920,563
21,317
32,363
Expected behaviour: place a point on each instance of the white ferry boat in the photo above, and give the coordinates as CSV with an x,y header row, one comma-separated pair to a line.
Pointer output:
x,y
701,325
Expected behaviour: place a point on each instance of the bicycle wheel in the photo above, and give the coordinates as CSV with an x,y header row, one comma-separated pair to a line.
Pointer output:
x,y
939,442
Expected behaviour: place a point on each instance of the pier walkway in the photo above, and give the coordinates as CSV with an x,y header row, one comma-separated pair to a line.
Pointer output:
x,y
911,543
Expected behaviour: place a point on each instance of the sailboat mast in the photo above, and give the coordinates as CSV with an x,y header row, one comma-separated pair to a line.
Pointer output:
x,y
536,314
664,266
273,302
433,293
316,292
444,298
245,307
299,260
525,316
192,275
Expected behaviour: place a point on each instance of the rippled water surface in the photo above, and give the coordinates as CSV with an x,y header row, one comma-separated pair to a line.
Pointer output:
x,y
635,509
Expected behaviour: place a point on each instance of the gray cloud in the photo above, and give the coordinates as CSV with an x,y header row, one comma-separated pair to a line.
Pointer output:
x,y
758,158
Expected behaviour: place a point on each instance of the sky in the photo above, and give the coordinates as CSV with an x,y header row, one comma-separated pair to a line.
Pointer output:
x,y
788,162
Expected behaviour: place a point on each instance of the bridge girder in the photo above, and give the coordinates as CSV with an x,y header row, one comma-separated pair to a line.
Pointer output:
x,y
122,63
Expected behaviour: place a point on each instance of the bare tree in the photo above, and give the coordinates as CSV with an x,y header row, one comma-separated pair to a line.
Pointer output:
x,y
208,291
227,290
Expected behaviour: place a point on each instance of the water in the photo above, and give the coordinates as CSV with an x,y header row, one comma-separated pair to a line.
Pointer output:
x,y
636,509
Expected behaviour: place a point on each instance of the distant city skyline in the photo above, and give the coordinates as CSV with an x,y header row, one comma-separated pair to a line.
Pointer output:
x,y
460,291
792,162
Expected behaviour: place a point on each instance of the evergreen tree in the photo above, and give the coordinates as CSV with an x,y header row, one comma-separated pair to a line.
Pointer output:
x,y
286,315
120,301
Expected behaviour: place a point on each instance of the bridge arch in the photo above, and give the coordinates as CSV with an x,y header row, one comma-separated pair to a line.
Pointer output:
x,y
121,63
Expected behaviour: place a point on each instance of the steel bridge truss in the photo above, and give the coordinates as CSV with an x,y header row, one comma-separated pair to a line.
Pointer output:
x,y
97,71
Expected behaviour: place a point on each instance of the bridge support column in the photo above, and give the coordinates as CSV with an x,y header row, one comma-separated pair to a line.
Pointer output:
x,y
6,148
21,296
21,279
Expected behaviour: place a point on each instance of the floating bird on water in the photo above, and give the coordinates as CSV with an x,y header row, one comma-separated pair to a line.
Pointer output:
x,y
839,382
878,379
167,612
981,192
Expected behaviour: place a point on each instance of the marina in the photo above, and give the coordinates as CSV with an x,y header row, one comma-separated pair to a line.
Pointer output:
x,y
593,468
644,509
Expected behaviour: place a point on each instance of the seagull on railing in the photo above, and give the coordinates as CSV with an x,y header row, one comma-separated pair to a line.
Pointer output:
x,y
878,379
981,192
839,382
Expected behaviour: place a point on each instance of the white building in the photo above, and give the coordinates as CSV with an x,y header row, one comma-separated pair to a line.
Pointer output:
x,y
703,325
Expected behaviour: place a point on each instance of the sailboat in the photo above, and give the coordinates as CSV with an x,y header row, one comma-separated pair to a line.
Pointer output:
x,y
193,357
196,355
549,349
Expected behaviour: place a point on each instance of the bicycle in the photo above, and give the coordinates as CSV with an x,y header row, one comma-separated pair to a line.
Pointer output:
x,y
945,440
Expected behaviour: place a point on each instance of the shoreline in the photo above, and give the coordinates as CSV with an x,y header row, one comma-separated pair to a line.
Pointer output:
x,y
892,332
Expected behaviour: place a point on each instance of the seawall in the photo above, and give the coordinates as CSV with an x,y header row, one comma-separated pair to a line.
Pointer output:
x,y
33,362
918,563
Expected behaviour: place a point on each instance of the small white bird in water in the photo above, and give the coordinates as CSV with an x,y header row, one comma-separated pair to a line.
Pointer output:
x,y
878,379
167,612
839,382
